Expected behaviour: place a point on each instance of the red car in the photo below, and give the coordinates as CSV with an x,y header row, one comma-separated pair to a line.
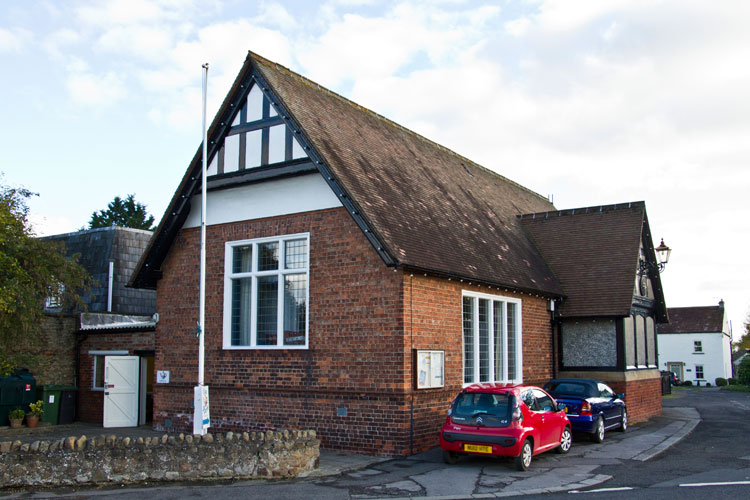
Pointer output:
x,y
505,420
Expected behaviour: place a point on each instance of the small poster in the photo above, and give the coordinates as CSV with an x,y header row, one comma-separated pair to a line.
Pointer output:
x,y
430,369
162,376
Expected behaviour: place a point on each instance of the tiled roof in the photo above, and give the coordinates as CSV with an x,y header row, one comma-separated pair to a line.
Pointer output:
x,y
431,208
594,254
706,319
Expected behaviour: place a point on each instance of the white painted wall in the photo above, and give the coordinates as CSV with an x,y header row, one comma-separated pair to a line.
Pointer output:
x,y
286,196
679,347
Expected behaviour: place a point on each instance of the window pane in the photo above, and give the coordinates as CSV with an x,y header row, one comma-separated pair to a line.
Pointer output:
x,y
468,340
296,254
213,165
242,262
484,341
297,151
499,346
99,371
241,304
276,143
650,341
254,104
640,337
268,256
232,153
295,309
268,299
252,148
512,341
271,111
236,120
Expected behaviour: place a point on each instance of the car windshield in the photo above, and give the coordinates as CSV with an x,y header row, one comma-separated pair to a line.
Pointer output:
x,y
482,408
569,389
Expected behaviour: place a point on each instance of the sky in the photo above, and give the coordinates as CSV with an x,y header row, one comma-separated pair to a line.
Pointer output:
x,y
588,102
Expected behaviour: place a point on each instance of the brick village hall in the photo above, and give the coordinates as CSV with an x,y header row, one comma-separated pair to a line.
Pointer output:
x,y
359,274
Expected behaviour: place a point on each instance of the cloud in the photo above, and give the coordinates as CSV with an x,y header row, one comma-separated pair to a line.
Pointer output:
x,y
14,40
58,44
96,90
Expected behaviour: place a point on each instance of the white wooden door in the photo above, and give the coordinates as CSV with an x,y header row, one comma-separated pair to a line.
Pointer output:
x,y
121,391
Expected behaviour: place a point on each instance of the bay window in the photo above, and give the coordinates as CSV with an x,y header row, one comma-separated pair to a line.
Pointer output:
x,y
266,292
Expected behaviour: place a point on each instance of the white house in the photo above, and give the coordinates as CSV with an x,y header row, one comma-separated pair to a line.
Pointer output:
x,y
696,343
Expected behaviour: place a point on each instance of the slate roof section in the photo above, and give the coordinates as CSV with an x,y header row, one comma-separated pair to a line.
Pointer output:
x,y
594,253
430,208
704,319
123,246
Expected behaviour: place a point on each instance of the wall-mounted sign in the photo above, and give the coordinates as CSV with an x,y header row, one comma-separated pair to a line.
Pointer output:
x,y
162,376
430,368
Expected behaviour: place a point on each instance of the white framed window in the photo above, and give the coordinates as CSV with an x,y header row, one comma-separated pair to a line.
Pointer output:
x,y
266,293
698,371
491,338
698,346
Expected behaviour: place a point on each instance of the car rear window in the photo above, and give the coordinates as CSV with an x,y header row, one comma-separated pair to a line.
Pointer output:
x,y
482,408
570,389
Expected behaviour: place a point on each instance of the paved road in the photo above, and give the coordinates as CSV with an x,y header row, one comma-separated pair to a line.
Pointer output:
x,y
650,460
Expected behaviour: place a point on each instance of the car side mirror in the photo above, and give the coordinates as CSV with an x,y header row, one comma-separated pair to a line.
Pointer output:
x,y
560,406
620,396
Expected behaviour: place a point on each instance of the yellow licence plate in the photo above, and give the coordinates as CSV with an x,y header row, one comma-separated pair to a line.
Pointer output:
x,y
475,448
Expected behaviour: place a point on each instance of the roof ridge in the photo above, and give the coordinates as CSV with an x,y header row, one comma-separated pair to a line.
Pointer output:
x,y
294,74
584,210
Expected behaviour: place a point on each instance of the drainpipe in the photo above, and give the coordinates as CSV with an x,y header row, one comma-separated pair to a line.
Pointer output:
x,y
552,323
110,286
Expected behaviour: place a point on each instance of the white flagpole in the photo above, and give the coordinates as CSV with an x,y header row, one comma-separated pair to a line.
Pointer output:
x,y
200,400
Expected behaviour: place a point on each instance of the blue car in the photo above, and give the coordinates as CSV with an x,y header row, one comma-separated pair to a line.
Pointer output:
x,y
592,406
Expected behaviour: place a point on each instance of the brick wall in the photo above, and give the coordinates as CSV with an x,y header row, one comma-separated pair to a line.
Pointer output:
x,y
48,352
354,384
433,320
642,397
90,400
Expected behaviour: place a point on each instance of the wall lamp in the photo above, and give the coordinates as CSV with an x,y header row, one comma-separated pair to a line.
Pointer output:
x,y
662,256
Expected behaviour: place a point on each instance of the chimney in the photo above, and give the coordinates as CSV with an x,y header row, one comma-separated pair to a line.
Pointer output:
x,y
721,304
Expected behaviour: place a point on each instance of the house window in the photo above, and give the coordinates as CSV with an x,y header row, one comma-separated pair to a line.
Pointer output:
x,y
98,372
54,301
491,338
257,137
697,347
698,371
266,292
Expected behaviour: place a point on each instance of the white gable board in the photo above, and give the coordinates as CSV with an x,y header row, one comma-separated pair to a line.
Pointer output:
x,y
289,195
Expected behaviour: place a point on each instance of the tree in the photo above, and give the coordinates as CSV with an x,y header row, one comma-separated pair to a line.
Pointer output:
x,y
123,213
743,374
31,269
744,342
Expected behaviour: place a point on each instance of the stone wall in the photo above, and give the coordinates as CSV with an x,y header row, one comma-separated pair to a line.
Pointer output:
x,y
111,459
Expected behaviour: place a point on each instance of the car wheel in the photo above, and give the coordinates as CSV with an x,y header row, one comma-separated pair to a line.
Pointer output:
x,y
566,441
598,435
450,457
523,461
623,421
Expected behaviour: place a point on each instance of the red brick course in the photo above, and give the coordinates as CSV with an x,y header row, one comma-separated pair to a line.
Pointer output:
x,y
643,397
354,384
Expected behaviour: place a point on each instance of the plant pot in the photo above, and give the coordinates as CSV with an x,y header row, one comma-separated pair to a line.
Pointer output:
x,y
16,423
32,420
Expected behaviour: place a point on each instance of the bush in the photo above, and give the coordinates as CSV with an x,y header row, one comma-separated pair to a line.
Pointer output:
x,y
743,374
18,413
37,409
708,384
732,381
687,383
721,382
